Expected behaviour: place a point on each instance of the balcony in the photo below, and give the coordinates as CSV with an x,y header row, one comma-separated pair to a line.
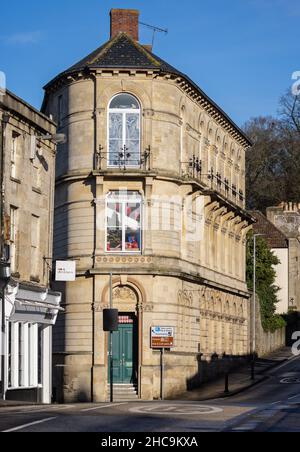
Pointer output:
x,y
123,160
126,160
214,181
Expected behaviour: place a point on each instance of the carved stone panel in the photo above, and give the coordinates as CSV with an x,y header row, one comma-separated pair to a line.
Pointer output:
x,y
125,299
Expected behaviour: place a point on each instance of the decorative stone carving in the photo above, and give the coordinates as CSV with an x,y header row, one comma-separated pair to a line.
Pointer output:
x,y
124,260
124,294
149,307
100,307
185,298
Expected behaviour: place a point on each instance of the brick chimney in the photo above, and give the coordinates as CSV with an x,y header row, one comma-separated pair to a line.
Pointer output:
x,y
124,21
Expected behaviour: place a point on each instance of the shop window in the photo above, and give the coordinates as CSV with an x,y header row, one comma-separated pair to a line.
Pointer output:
x,y
124,222
24,355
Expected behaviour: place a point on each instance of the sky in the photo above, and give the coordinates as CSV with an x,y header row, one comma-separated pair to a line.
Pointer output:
x,y
242,53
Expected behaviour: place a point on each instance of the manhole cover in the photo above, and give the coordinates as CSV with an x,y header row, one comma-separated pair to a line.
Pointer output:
x,y
176,409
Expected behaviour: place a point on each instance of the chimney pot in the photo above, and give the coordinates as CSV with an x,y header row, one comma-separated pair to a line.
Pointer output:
x,y
124,21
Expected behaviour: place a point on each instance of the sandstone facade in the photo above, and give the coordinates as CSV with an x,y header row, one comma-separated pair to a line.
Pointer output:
x,y
189,150
28,308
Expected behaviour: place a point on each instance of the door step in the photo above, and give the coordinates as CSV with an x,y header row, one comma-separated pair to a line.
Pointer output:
x,y
124,393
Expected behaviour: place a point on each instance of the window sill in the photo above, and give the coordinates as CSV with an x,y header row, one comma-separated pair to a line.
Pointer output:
x,y
14,179
19,388
123,253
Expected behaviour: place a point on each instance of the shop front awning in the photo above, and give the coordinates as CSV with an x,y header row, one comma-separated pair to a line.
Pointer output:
x,y
39,305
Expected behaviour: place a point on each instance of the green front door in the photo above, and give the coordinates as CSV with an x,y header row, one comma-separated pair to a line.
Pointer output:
x,y
123,355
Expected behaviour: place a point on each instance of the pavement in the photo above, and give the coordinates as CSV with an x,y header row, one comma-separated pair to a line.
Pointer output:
x,y
239,379
10,403
272,405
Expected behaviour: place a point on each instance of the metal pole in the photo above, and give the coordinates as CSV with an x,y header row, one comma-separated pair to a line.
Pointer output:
x,y
227,383
162,374
111,344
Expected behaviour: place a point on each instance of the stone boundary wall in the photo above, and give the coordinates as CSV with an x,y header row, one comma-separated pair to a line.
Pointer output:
x,y
266,342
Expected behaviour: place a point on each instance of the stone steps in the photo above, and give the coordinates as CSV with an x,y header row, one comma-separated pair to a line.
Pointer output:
x,y
124,393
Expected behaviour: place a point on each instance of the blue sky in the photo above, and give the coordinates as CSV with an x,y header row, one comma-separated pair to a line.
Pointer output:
x,y
241,52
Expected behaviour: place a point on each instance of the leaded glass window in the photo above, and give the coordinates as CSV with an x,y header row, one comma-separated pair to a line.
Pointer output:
x,y
124,132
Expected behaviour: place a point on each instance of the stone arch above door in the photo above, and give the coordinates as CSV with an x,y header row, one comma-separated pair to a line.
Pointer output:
x,y
128,296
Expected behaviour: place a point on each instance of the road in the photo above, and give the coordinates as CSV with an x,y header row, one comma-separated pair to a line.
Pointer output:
x,y
271,406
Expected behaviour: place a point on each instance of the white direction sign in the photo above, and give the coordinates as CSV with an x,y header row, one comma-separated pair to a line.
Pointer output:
x,y
65,271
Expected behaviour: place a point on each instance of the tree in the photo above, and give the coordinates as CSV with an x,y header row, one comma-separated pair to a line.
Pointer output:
x,y
265,282
263,163
273,163
290,111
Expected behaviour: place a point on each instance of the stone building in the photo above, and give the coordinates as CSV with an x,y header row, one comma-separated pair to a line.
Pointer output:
x,y
286,217
28,307
150,186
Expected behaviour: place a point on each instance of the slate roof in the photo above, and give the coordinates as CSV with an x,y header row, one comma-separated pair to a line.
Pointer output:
x,y
274,237
122,52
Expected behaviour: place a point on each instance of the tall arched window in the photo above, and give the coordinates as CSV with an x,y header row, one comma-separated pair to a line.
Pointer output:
x,y
124,132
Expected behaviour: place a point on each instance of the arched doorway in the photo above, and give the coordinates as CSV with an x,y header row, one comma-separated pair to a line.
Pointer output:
x,y
128,299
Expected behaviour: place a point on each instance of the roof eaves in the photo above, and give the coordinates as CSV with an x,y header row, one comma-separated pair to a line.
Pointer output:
x,y
214,105
158,63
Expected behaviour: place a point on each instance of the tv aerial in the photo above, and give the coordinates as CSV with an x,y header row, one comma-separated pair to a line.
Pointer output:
x,y
155,30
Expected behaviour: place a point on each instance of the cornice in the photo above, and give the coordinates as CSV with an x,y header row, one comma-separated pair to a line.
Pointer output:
x,y
183,83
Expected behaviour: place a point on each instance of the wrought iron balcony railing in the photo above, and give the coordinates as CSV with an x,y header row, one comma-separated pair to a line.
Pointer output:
x,y
223,186
124,159
194,169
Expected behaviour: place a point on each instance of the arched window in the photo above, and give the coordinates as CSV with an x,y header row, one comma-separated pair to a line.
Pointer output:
x,y
124,132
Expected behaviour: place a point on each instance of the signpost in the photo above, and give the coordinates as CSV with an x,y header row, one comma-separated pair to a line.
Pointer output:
x,y
162,337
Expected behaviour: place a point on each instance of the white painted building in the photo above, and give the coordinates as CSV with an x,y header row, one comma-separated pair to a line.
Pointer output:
x,y
279,245
282,279
27,343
